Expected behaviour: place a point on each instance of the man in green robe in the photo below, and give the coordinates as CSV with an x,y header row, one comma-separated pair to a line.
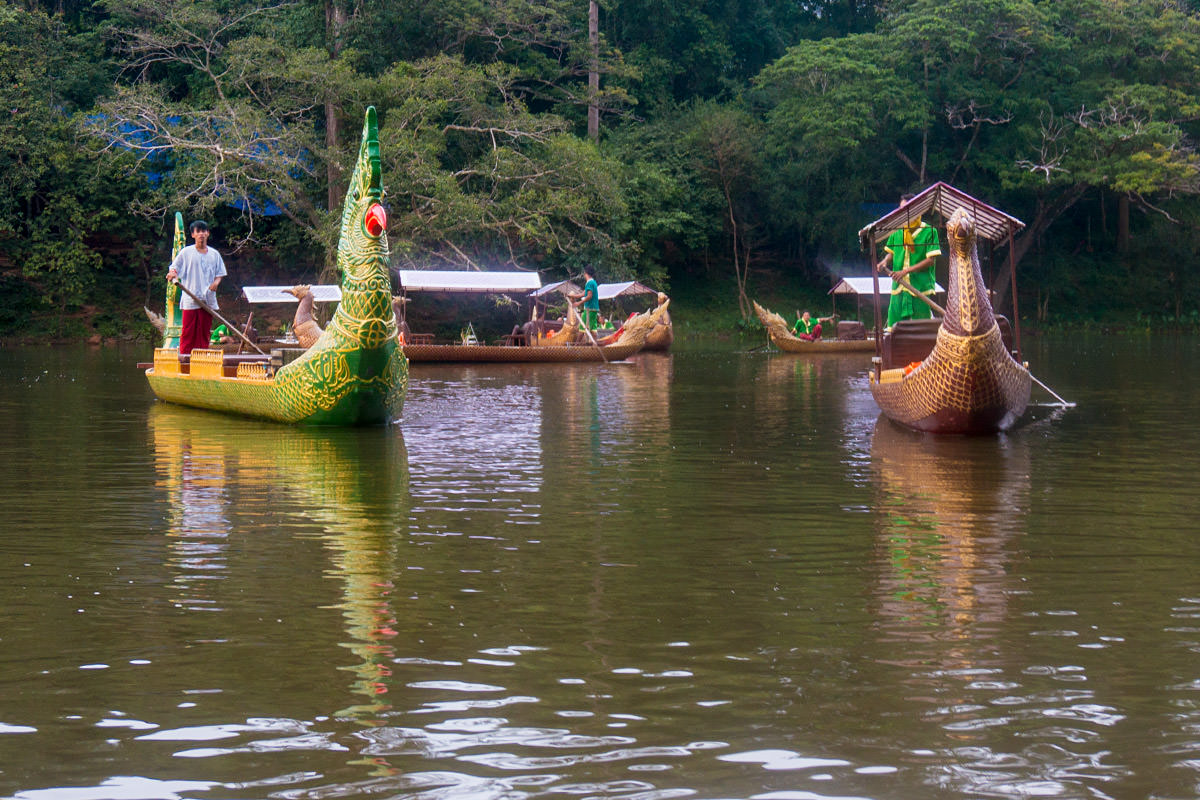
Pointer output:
x,y
910,252
590,300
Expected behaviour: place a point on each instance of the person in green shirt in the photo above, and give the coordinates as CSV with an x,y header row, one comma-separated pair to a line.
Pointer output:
x,y
807,328
219,334
590,300
910,252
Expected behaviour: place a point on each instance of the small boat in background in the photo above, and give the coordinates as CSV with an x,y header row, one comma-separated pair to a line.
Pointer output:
x,y
537,341
782,337
661,337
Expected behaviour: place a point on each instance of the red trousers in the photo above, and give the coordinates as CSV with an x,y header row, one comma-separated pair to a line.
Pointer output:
x,y
811,337
197,327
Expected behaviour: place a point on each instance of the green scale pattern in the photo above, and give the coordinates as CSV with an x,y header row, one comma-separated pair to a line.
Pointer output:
x,y
356,373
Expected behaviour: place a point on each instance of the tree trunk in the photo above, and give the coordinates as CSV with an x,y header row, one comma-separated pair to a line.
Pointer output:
x,y
333,171
1123,224
593,116
335,21
1046,214
743,301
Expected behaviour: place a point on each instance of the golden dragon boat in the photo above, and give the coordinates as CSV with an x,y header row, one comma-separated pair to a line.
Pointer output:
x,y
355,373
782,337
969,382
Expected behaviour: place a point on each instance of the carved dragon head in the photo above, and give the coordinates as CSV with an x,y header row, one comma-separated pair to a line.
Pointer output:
x,y
968,310
362,247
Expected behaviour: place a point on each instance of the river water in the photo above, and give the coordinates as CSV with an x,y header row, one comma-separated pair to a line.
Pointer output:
x,y
711,574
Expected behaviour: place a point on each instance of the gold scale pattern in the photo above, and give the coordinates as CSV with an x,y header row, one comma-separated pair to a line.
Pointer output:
x,y
970,374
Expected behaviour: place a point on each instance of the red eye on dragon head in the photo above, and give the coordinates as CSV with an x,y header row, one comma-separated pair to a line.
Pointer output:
x,y
375,220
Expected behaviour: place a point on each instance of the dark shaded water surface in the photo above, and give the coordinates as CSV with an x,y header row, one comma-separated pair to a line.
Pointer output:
x,y
713,574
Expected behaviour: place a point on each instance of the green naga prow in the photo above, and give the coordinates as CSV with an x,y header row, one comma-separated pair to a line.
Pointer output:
x,y
356,373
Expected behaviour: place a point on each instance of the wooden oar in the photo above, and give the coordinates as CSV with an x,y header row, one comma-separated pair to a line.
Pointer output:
x,y
227,323
936,308
588,331
1063,403
246,331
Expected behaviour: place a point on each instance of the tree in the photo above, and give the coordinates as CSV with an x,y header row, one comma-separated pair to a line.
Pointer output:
x,y
232,112
726,143
54,201
476,179
1031,104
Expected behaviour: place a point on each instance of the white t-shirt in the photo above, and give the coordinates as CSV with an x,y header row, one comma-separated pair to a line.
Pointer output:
x,y
197,271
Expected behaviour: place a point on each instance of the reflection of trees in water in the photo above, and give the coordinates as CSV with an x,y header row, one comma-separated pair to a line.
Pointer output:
x,y
473,438
353,481
193,470
611,411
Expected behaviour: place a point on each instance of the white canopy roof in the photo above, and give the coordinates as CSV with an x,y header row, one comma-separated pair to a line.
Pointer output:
x,y
279,294
568,288
607,291
863,286
433,280
610,290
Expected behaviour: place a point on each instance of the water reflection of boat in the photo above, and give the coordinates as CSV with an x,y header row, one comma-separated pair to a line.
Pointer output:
x,y
952,506
353,482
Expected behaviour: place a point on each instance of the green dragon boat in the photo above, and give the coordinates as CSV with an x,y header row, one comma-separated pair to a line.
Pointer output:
x,y
355,374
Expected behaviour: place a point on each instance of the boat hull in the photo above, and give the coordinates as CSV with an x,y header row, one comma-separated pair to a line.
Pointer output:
x,y
661,337
352,388
795,345
570,353
967,385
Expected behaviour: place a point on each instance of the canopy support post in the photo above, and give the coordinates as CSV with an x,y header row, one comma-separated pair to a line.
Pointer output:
x,y
1016,320
878,316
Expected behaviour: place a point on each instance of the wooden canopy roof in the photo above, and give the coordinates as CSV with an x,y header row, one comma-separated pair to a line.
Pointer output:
x,y
943,200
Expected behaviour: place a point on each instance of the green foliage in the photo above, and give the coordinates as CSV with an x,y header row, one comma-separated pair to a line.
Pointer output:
x,y
741,139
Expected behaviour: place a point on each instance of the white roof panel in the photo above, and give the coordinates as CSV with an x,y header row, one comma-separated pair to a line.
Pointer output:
x,y
611,290
566,287
434,280
863,286
278,294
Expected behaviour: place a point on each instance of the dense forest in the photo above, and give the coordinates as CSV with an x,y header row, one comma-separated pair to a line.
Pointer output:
x,y
719,149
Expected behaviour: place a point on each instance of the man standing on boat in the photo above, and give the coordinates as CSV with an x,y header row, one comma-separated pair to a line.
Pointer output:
x,y
199,268
910,253
590,299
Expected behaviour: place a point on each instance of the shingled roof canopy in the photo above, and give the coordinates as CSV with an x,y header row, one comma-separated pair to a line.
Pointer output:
x,y
943,199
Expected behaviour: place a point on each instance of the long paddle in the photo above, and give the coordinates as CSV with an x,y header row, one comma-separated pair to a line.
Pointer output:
x,y
588,331
936,308
227,323
1062,402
